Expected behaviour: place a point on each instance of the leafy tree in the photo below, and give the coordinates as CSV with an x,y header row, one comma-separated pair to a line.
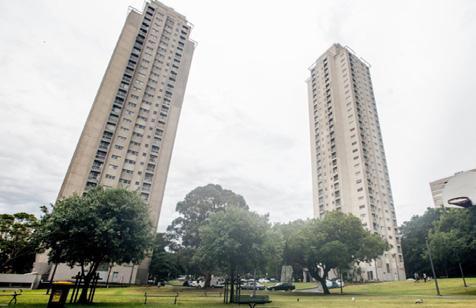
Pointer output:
x,y
453,238
291,255
164,264
194,211
17,244
232,241
335,242
197,206
273,248
100,226
414,233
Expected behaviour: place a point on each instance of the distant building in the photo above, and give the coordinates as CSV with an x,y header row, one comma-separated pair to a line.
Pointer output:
x,y
349,169
437,188
128,138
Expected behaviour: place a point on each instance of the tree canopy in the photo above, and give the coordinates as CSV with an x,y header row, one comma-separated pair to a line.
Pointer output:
x,y
197,206
164,264
334,242
17,242
414,233
451,234
100,226
194,210
232,241
453,239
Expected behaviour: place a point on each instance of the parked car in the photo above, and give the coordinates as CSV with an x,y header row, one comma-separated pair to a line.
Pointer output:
x,y
282,286
252,286
334,283
217,282
263,280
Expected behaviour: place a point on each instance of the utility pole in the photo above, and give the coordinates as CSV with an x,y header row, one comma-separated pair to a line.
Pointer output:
x,y
433,268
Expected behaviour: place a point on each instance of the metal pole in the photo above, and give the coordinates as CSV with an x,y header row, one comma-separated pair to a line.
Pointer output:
x,y
433,268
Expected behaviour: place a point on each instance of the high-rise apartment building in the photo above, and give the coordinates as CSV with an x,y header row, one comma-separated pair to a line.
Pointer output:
x,y
349,170
129,134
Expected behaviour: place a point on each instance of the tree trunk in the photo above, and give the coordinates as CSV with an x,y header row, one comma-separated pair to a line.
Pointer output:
x,y
462,275
314,272
208,278
324,285
83,298
341,282
232,287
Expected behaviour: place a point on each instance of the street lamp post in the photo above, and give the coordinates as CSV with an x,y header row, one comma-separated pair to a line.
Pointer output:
x,y
433,268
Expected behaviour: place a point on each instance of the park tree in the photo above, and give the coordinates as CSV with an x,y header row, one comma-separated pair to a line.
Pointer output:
x,y
414,234
291,255
335,242
99,226
194,210
164,264
453,239
232,242
273,248
17,242
197,206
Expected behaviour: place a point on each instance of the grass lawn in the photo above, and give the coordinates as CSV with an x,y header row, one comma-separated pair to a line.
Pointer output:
x,y
385,294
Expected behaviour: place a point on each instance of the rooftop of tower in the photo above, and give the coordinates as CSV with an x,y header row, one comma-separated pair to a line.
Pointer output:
x,y
339,46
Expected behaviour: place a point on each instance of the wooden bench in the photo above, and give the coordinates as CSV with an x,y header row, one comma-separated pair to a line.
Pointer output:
x,y
11,294
174,295
252,301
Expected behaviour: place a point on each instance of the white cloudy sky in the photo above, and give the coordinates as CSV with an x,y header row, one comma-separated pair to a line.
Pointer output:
x,y
244,122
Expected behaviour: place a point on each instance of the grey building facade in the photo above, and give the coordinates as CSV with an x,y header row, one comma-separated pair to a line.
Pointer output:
x,y
349,169
128,137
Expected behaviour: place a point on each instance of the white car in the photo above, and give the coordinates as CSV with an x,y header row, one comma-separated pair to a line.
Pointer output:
x,y
335,283
263,280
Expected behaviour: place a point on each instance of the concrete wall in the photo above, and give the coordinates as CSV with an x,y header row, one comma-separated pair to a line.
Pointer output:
x,y
20,280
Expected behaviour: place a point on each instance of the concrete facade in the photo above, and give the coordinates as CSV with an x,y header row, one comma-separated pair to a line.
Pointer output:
x,y
128,137
437,188
349,170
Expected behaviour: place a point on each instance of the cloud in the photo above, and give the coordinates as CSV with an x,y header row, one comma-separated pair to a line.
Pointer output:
x,y
244,122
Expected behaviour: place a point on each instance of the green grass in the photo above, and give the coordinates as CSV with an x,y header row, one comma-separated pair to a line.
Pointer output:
x,y
385,294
